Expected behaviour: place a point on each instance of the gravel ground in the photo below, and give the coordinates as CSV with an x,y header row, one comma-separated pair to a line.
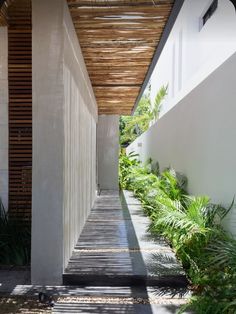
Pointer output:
x,y
120,300
30,305
22,305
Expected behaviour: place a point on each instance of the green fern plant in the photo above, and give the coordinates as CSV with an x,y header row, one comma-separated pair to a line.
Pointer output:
x,y
223,253
173,184
193,227
126,164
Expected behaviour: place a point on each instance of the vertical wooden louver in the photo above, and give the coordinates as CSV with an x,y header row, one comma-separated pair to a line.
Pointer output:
x,y
20,109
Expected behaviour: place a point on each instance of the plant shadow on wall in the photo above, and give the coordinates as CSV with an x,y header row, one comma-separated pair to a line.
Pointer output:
x,y
133,126
192,226
15,240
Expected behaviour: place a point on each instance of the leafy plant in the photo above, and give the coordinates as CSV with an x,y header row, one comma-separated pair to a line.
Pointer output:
x,y
15,238
173,184
125,164
193,227
158,102
133,126
223,253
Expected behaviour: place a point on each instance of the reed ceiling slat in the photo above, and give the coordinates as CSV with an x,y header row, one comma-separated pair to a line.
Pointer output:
x,y
118,40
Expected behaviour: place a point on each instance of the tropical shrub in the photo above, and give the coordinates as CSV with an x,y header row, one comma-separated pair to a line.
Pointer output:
x,y
158,102
15,239
133,126
126,163
192,225
173,184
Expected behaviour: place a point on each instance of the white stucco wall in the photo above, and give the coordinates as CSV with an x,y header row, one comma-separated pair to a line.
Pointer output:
x,y
197,138
64,141
80,139
191,53
4,116
108,151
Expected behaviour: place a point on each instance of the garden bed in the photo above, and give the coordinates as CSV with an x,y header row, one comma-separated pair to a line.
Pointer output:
x,y
192,225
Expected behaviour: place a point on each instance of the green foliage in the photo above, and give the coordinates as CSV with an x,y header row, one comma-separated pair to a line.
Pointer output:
x,y
224,254
125,164
173,184
133,126
193,227
15,240
158,102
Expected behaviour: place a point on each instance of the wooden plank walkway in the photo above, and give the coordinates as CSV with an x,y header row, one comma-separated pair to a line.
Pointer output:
x,y
116,249
94,308
118,267
114,244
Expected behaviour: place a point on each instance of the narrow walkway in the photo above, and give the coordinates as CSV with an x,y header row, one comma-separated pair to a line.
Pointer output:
x,y
131,271
117,267
115,248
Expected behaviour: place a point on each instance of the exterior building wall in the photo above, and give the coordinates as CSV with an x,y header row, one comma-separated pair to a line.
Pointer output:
x,y
64,135
108,151
197,138
4,116
80,139
193,52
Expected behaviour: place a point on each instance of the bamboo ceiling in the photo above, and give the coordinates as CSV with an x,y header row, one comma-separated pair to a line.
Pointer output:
x,y
118,40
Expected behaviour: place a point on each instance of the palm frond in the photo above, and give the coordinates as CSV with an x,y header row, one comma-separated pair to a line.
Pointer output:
x,y
223,253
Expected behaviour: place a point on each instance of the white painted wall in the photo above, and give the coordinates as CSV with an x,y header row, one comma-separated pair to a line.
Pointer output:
x,y
4,116
64,141
80,139
48,142
108,151
197,138
191,53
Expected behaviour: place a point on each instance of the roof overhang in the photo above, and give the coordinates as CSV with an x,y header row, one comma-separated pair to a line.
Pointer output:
x,y
121,42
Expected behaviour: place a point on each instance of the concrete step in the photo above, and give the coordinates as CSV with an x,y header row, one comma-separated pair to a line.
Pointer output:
x,y
120,280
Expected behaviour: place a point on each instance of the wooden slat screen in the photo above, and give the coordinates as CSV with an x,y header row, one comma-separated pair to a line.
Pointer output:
x,y
20,109
4,5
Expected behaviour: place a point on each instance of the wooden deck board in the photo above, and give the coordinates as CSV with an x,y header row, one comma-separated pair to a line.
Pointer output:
x,y
115,248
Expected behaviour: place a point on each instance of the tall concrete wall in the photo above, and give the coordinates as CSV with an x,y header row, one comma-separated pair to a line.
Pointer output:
x,y
48,142
64,119
197,137
80,139
4,116
108,151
